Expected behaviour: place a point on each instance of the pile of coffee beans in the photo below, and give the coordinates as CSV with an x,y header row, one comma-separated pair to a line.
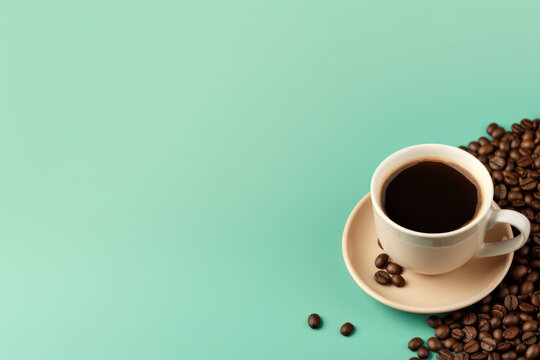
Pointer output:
x,y
314,322
505,324
392,272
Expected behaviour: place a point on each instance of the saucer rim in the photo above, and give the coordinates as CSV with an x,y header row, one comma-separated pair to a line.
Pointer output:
x,y
410,308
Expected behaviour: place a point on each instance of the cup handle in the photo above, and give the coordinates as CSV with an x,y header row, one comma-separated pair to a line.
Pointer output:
x,y
504,247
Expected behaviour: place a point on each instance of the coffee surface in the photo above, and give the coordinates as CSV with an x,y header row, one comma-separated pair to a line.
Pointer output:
x,y
430,197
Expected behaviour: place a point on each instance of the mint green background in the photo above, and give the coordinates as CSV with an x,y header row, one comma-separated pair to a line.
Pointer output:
x,y
176,175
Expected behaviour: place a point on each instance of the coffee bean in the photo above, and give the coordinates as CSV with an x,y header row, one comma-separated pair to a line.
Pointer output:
x,y
471,347
527,184
491,128
469,318
483,140
488,344
422,352
314,321
462,355
414,358
434,321
393,268
530,326
528,338
442,332
500,191
510,319
381,260
521,348
458,347
498,133
474,146
449,343
457,334
525,317
498,311
494,356
382,277
511,179
482,335
533,352
497,334
525,144
526,307
497,162
517,129
347,329
470,333
526,288
511,302
535,298
479,356
398,280
511,332
445,354
518,272
494,323
483,325
415,343
434,344
509,355
503,346
527,124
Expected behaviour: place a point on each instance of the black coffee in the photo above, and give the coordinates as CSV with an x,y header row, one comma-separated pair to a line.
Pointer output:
x,y
429,196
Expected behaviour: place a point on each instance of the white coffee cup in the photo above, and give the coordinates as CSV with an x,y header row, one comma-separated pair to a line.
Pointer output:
x,y
439,253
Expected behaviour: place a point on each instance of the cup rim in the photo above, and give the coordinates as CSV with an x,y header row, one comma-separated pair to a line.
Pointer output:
x,y
487,196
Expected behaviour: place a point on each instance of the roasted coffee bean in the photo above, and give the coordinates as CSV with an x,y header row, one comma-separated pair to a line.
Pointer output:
x,y
528,338
314,321
469,318
497,176
530,326
520,260
458,347
483,159
525,317
482,335
517,129
511,179
518,272
498,133
457,334
494,356
491,128
514,289
497,162
510,319
533,352
470,333
434,344
347,329
382,277
527,124
434,321
422,352
514,195
509,355
415,343
483,316
462,355
381,260
448,320
528,134
479,356
499,311
483,140
494,323
536,252
526,287
535,263
521,348
535,204
449,343
471,347
488,344
442,332
533,277
486,149
497,334
398,280
474,146
518,204
511,303
526,307
525,145
503,346
484,308
393,268
414,358
536,162
445,354
524,161
535,298
527,184
454,326
511,332
502,292
483,325
456,315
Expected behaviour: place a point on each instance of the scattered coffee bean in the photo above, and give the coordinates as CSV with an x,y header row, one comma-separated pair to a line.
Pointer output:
x,y
442,332
422,352
434,321
393,268
381,260
314,321
445,354
434,344
398,280
382,277
347,329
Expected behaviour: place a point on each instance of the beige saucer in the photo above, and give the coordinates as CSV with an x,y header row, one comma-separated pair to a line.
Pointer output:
x,y
422,293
